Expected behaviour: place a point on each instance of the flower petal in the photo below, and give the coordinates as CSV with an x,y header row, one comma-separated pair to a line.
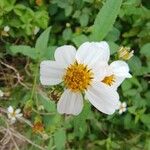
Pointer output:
x,y
100,71
19,115
103,98
117,82
92,52
70,103
124,104
120,111
10,109
123,109
12,120
120,68
9,115
17,111
50,73
65,55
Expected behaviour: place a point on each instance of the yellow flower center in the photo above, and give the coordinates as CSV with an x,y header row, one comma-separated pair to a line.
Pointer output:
x,y
78,77
13,114
109,80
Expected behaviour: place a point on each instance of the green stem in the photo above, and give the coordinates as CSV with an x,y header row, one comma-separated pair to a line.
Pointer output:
x,y
35,80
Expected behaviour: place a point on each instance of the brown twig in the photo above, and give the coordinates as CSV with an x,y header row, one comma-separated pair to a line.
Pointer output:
x,y
17,74
10,133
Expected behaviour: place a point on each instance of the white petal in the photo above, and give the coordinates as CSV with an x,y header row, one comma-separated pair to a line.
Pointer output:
x,y
17,111
12,120
19,115
9,115
10,109
92,52
6,28
123,109
120,111
51,73
103,98
120,68
100,71
65,55
119,104
117,82
124,104
1,93
70,103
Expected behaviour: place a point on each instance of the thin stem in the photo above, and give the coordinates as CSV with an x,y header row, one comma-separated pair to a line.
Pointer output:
x,y
34,82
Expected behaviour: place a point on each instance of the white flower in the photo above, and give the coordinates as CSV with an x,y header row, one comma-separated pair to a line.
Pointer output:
x,y
122,107
81,72
13,114
36,30
6,28
117,71
1,93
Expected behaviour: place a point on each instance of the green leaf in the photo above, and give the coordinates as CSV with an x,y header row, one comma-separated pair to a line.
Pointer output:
x,y
68,10
25,50
60,139
135,65
46,102
105,19
49,53
42,42
84,19
79,39
81,120
145,50
113,35
67,34
113,47
145,118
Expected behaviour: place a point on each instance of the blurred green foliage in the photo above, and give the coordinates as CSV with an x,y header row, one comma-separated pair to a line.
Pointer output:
x,y
74,22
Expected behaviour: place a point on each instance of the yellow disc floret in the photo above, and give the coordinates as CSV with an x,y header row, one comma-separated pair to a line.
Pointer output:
x,y
78,77
109,80
13,114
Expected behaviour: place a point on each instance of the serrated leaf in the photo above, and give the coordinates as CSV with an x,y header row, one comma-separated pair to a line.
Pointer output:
x,y
105,19
25,50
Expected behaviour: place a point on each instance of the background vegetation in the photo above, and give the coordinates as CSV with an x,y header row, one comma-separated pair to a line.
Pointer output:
x,y
120,22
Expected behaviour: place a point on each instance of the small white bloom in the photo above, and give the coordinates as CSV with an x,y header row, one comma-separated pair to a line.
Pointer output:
x,y
117,71
81,71
6,28
122,107
45,136
36,30
1,93
13,114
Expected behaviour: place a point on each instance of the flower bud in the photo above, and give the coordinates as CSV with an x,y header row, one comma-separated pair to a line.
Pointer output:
x,y
38,126
125,53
